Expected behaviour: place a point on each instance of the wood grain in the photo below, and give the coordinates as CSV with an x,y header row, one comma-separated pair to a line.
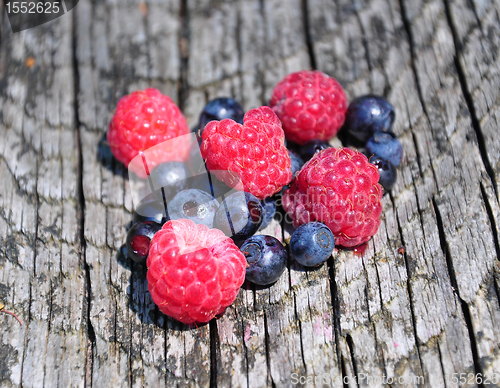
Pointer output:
x,y
415,317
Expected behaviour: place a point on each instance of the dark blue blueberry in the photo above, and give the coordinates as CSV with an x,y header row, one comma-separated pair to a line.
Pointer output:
x,y
269,209
239,215
367,115
150,209
308,150
387,146
312,244
297,162
387,171
266,258
195,205
219,109
171,176
138,239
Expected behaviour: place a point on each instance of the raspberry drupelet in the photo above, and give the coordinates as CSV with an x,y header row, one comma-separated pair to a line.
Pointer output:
x,y
311,106
338,187
252,154
194,272
144,119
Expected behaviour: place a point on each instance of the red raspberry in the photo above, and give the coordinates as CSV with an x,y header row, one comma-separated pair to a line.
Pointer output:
x,y
339,188
310,105
253,153
142,120
194,272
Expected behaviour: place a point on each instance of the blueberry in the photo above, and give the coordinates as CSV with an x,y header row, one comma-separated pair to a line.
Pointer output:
x,y
387,146
138,239
269,209
297,162
171,176
387,171
266,258
239,215
210,184
219,109
367,115
195,205
308,150
312,243
150,209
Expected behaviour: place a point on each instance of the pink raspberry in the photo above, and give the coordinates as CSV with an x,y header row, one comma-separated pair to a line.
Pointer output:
x,y
144,119
339,188
194,272
310,105
253,154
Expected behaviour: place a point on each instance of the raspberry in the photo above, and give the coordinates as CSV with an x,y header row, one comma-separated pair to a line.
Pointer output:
x,y
310,105
253,152
143,119
339,188
194,272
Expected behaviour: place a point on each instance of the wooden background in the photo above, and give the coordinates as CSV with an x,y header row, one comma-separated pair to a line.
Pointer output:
x,y
65,203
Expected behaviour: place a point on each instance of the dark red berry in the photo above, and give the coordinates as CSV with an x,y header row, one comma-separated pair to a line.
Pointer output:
x,y
139,238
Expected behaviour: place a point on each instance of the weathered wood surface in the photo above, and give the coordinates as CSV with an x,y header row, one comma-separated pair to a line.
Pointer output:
x,y
65,203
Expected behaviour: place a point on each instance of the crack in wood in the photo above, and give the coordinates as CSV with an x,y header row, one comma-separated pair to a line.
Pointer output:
x,y
307,30
350,345
465,307
408,288
184,35
298,320
441,364
481,142
496,284
267,345
91,336
493,226
214,352
35,254
336,317
378,348
239,48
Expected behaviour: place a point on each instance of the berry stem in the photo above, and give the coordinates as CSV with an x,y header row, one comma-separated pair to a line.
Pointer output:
x,y
11,313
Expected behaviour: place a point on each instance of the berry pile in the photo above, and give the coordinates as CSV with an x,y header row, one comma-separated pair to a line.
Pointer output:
x,y
189,225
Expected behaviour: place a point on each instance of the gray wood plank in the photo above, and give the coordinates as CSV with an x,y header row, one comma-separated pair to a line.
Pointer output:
x,y
431,311
122,48
43,280
439,126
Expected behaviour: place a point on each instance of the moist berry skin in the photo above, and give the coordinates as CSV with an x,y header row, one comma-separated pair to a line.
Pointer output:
x,y
339,188
194,272
388,172
368,114
308,150
239,216
387,146
269,210
266,258
139,238
311,244
195,205
220,109
310,104
209,183
250,157
150,209
171,176
144,119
